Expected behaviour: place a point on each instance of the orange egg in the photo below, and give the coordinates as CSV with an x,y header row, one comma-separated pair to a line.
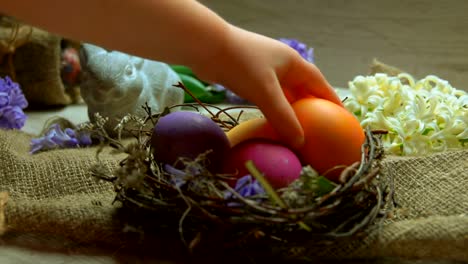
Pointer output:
x,y
333,136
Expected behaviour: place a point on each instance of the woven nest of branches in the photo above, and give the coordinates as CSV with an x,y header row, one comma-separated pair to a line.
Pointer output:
x,y
206,211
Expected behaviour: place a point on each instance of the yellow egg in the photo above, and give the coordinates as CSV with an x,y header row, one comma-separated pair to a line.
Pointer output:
x,y
251,129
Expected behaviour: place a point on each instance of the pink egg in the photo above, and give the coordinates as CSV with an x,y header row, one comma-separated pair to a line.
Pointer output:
x,y
279,164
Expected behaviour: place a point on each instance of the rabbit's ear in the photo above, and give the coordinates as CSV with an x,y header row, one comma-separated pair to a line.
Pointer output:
x,y
137,62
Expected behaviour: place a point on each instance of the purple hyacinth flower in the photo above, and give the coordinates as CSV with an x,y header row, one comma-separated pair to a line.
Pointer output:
x,y
4,99
178,178
247,187
12,103
231,97
301,48
12,117
16,96
84,139
55,138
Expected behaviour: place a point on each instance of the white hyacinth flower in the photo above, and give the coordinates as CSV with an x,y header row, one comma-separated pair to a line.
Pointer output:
x,y
421,116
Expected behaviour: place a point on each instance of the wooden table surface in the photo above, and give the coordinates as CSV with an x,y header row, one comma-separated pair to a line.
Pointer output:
x,y
420,36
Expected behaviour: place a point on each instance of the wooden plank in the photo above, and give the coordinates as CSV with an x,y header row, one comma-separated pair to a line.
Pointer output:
x,y
422,37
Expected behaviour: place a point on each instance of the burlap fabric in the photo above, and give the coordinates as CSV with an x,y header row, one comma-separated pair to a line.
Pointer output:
x,y
32,57
53,193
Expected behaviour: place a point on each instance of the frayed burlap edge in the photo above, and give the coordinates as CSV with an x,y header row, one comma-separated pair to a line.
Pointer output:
x,y
3,201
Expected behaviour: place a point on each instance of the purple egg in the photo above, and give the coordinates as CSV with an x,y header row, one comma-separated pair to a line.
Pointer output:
x,y
184,134
279,164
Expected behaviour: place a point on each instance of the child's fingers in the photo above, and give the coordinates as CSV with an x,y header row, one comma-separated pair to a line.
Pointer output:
x,y
305,79
280,114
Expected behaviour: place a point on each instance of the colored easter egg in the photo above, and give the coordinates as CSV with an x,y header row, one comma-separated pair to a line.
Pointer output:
x,y
185,134
251,129
278,164
333,135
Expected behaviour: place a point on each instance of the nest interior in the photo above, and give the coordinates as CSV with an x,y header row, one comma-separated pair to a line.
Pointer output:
x,y
276,223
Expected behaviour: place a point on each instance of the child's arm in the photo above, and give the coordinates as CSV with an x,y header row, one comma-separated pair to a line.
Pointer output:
x,y
185,32
169,30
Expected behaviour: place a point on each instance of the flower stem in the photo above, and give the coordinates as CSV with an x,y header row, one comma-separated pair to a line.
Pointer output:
x,y
275,198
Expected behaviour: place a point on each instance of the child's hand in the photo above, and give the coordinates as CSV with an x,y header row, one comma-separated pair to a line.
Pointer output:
x,y
264,71
269,74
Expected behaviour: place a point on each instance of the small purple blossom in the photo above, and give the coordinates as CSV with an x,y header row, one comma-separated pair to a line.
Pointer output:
x,y
301,48
231,97
4,99
247,187
13,90
12,103
12,117
178,177
55,138
84,139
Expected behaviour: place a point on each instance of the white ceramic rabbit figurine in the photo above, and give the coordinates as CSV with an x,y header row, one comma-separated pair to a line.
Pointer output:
x,y
115,84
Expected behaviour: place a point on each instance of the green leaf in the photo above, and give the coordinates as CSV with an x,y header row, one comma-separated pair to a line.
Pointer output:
x,y
181,69
324,186
464,141
195,86
316,183
427,131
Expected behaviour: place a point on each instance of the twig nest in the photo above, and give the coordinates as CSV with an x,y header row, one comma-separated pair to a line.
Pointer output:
x,y
309,209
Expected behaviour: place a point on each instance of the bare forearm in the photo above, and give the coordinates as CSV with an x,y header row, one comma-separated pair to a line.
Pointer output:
x,y
256,67
174,31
